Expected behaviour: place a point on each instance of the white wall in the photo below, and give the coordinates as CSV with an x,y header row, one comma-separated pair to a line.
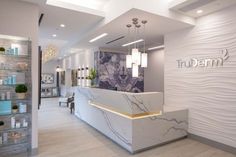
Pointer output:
x,y
21,19
50,68
209,93
84,58
154,73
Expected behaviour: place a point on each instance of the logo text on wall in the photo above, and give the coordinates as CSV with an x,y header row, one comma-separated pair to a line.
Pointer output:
x,y
204,62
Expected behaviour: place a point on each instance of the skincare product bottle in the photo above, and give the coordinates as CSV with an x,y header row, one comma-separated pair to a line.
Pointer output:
x,y
22,108
8,95
1,142
25,123
17,125
13,122
5,137
3,96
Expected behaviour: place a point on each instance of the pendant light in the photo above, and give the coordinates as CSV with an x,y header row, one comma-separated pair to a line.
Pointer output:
x,y
135,72
136,58
128,56
144,57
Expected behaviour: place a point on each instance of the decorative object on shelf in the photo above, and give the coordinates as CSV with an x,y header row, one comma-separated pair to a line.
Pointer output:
x,y
22,107
47,79
21,90
92,75
22,65
135,58
2,50
1,123
14,108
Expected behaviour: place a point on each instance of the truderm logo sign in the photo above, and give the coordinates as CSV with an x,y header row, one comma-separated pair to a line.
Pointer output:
x,y
204,62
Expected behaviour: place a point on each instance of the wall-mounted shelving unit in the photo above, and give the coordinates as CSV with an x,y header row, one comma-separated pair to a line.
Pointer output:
x,y
15,68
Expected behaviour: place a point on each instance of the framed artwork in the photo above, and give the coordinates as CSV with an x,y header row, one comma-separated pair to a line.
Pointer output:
x,y
74,77
63,77
47,78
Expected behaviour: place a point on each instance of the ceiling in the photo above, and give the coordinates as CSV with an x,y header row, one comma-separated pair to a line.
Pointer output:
x,y
80,17
191,7
156,27
77,23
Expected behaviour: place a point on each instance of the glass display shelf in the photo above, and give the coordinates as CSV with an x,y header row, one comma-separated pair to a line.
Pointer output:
x,y
14,114
15,99
14,70
15,142
14,129
14,56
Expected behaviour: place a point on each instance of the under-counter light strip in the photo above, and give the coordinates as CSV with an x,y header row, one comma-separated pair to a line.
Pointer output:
x,y
157,47
124,115
137,41
98,37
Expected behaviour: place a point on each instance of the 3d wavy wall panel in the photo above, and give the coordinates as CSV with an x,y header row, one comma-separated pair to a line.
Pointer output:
x,y
200,73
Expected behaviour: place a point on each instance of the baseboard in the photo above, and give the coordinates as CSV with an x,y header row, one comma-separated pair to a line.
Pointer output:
x,y
212,143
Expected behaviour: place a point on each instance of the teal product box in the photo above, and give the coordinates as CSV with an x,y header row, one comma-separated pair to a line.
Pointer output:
x,y
5,107
9,80
16,51
13,79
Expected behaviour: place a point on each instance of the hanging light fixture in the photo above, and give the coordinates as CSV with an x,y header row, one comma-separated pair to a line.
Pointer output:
x,y
136,58
144,57
135,72
128,56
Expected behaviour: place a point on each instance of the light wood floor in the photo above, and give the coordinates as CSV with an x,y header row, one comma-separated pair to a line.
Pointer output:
x,y
63,135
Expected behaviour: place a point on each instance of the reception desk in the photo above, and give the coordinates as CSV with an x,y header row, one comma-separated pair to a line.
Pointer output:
x,y
136,121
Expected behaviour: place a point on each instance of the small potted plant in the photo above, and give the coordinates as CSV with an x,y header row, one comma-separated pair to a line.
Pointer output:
x,y
14,108
2,50
21,90
92,76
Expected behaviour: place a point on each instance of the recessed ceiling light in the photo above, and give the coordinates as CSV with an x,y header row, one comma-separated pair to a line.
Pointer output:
x,y
157,47
54,35
98,37
62,25
137,41
199,11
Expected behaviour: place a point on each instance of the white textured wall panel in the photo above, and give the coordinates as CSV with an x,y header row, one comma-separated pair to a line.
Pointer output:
x,y
208,92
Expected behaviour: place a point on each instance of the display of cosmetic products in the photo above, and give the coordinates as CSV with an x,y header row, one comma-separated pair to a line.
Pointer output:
x,y
5,95
11,51
9,80
22,107
18,123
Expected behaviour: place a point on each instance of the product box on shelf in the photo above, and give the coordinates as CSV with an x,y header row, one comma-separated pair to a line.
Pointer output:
x,y
5,107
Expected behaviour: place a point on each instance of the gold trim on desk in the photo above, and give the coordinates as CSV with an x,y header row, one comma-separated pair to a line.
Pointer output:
x,y
126,115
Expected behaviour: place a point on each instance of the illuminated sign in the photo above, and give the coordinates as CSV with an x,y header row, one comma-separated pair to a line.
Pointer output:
x,y
204,62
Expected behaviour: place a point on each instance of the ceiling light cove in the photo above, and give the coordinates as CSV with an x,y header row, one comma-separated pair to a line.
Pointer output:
x,y
157,47
137,41
98,37
92,4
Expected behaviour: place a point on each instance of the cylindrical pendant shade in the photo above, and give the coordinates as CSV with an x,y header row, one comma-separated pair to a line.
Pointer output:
x,y
136,56
128,61
144,60
135,70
